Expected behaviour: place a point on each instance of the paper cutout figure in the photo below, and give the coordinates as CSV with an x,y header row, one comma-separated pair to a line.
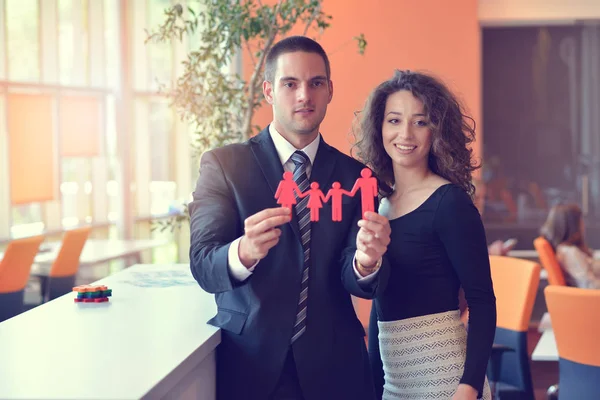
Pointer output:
x,y
335,194
288,193
368,190
285,191
315,201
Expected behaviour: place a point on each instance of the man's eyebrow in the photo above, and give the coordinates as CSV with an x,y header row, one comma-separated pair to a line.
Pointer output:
x,y
291,78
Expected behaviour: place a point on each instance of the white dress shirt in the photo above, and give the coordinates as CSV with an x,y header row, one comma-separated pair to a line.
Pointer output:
x,y
284,150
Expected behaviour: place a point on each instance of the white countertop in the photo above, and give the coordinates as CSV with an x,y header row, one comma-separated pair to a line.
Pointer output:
x,y
154,327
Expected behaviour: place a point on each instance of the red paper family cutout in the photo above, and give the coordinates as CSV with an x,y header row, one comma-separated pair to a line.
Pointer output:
x,y
288,192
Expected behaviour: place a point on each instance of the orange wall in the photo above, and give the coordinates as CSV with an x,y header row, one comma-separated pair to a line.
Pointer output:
x,y
439,36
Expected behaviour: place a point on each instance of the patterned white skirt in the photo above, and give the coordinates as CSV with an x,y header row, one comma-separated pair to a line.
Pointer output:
x,y
424,357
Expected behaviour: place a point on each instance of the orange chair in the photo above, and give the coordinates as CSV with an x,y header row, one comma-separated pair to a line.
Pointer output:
x,y
61,278
15,268
549,261
576,323
515,285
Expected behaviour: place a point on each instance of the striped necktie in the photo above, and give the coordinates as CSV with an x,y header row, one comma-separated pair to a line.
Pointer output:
x,y
301,161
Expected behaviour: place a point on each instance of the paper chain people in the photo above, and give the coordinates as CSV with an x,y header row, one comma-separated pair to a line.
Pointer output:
x,y
288,193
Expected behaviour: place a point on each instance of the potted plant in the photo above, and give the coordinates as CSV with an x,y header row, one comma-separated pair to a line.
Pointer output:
x,y
218,102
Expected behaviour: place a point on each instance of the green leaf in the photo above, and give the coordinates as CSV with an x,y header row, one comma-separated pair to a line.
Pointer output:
x,y
219,105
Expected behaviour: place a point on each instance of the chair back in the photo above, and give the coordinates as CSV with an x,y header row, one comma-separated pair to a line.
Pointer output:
x,y
15,268
515,286
61,278
67,260
549,261
576,323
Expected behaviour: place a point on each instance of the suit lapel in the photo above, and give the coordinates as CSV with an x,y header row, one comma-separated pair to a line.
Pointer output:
x,y
270,165
267,158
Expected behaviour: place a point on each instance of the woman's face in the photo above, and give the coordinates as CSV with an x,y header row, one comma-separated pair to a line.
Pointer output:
x,y
406,130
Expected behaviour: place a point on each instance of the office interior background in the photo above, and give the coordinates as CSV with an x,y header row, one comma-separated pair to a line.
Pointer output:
x,y
89,138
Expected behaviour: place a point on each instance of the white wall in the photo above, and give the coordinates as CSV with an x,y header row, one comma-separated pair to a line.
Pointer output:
x,y
518,12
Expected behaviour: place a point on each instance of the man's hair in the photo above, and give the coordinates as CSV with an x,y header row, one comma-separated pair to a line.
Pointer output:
x,y
290,45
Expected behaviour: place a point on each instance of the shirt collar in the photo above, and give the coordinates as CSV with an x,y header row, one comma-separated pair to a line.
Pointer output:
x,y
285,149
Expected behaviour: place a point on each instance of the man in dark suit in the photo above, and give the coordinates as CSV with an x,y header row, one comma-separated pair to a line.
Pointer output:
x,y
282,283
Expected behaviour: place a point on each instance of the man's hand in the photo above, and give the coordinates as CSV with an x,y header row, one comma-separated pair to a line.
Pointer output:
x,y
372,240
261,234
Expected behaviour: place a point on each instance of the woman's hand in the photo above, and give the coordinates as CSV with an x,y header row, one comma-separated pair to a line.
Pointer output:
x,y
465,392
372,241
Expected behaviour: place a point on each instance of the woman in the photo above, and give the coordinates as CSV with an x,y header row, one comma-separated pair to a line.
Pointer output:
x,y
414,136
565,231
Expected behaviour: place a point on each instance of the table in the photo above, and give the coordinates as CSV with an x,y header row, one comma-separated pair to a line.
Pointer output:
x,y
151,340
545,323
546,349
526,254
95,252
533,254
530,255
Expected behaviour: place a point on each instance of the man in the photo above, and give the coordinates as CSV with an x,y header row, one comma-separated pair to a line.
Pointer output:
x,y
282,283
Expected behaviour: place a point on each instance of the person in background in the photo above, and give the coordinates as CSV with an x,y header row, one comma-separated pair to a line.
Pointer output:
x,y
564,229
500,248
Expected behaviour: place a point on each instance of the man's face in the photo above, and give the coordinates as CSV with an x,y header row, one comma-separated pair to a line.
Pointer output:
x,y
299,94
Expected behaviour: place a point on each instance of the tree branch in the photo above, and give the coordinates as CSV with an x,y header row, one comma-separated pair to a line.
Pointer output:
x,y
312,19
250,52
252,87
274,20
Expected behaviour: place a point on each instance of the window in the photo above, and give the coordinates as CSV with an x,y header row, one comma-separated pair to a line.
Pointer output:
x,y
162,186
76,191
73,42
22,31
111,40
160,55
27,220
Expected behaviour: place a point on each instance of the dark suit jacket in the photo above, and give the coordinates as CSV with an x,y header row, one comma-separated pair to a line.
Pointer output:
x,y
256,316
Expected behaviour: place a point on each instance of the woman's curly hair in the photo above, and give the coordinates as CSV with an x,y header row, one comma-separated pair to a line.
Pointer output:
x,y
452,131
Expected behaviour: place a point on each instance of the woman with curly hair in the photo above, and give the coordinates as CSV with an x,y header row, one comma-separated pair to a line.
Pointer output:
x,y
414,135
